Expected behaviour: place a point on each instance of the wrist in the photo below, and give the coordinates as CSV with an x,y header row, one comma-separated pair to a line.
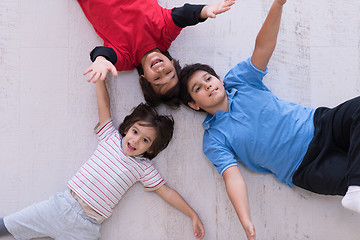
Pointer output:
x,y
245,222
99,58
279,3
203,14
193,215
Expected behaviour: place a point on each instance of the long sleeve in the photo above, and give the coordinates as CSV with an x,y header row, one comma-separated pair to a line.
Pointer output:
x,y
187,15
106,52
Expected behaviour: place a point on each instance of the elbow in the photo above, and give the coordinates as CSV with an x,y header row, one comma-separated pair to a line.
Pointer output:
x,y
264,45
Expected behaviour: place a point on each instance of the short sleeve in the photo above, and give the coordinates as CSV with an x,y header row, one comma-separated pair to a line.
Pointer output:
x,y
105,130
245,73
217,152
152,179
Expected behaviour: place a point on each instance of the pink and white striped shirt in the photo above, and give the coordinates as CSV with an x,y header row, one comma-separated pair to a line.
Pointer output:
x,y
109,173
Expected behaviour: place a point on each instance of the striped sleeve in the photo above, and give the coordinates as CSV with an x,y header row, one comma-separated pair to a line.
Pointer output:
x,y
152,179
105,130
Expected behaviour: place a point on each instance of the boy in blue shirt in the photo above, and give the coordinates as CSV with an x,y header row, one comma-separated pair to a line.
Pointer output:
x,y
315,149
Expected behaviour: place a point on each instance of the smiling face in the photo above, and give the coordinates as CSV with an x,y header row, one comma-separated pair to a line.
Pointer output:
x,y
138,139
159,71
208,92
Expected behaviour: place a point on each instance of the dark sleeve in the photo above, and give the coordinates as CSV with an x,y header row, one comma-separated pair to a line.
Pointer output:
x,y
106,52
187,15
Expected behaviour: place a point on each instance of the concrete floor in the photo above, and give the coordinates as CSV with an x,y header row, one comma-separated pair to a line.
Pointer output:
x,y
48,111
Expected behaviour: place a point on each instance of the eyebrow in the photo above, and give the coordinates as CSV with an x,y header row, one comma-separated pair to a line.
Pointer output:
x,y
192,88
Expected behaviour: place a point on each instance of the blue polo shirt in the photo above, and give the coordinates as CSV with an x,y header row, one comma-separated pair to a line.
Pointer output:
x,y
260,131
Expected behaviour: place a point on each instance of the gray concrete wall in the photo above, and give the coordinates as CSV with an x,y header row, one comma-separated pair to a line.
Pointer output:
x,y
48,111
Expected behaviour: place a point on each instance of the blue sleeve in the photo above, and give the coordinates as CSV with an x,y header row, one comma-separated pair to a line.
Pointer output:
x,y
245,73
217,152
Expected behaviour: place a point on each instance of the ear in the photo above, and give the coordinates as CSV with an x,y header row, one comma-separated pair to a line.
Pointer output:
x,y
194,106
142,75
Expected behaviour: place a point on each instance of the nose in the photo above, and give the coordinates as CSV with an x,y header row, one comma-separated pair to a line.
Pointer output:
x,y
208,85
160,69
136,140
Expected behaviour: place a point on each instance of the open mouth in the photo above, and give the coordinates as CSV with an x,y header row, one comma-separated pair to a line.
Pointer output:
x,y
130,147
212,92
155,62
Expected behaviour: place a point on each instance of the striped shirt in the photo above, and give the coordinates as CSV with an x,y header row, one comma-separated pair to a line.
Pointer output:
x,y
109,173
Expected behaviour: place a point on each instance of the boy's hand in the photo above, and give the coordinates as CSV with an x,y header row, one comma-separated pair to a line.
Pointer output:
x,y
99,68
210,11
198,227
250,231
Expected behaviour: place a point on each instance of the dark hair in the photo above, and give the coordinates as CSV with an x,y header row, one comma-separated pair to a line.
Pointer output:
x,y
170,98
164,127
185,76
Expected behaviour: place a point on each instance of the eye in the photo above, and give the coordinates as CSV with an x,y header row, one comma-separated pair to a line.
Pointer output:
x,y
208,79
168,72
145,140
134,131
157,78
197,89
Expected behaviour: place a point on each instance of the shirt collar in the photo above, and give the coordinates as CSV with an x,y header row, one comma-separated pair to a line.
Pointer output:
x,y
211,118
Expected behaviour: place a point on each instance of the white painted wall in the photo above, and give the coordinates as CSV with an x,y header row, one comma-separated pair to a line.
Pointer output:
x,y
48,111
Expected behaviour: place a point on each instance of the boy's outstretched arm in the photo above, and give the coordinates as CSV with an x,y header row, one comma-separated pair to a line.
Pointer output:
x,y
267,36
237,192
103,102
213,9
192,14
99,68
174,198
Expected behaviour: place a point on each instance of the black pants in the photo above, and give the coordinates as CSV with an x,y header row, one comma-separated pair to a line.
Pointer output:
x,y
332,161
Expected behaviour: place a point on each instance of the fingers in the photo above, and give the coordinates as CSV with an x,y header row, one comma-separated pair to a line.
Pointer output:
x,y
91,72
95,76
199,230
251,233
252,236
113,71
87,70
199,234
212,15
229,3
102,77
223,7
196,234
90,76
96,73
